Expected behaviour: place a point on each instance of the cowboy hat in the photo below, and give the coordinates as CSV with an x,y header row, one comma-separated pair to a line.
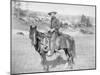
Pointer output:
x,y
50,13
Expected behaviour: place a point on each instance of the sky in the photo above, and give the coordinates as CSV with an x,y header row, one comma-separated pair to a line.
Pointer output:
x,y
60,8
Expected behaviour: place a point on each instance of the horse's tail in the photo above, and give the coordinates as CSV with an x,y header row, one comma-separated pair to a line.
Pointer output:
x,y
71,49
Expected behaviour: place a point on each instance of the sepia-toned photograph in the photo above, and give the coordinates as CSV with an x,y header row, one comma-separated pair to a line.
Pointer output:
x,y
52,37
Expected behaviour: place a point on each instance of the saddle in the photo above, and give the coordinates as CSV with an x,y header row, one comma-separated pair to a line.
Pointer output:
x,y
46,40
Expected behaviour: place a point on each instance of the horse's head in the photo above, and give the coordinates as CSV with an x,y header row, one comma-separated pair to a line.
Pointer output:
x,y
32,34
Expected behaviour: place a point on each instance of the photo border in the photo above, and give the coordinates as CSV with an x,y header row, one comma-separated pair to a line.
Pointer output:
x,y
59,4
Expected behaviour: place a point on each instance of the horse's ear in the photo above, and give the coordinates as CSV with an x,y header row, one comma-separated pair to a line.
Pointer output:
x,y
35,27
31,27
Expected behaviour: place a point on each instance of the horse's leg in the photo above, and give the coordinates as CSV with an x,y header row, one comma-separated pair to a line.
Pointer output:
x,y
70,62
44,63
46,68
70,59
74,53
66,51
71,50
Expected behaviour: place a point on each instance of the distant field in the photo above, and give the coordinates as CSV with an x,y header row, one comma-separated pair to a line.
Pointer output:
x,y
20,25
25,59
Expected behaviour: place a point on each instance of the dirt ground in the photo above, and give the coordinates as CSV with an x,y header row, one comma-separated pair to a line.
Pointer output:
x,y
25,59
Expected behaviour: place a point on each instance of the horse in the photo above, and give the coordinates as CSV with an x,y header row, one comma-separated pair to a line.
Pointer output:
x,y
60,42
37,41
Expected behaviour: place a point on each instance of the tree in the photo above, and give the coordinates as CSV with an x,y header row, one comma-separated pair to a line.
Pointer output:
x,y
83,20
88,23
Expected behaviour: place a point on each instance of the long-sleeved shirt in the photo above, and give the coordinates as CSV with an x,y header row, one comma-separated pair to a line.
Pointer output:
x,y
55,23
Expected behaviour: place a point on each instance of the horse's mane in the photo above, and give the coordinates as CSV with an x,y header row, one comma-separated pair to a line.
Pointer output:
x,y
39,37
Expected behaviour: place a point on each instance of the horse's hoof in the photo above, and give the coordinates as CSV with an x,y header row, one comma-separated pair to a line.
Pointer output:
x,y
71,67
66,65
46,69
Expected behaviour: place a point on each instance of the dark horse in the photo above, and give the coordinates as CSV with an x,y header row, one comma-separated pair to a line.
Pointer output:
x,y
60,41
36,40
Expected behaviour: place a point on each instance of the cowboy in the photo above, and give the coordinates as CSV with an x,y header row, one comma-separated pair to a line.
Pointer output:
x,y
55,25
